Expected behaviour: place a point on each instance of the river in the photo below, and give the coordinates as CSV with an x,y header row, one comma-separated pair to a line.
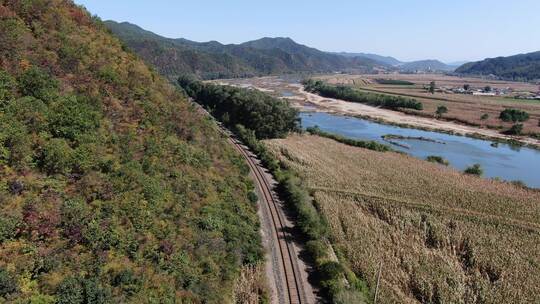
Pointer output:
x,y
504,161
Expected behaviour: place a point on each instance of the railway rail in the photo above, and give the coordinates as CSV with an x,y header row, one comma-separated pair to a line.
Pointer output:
x,y
293,284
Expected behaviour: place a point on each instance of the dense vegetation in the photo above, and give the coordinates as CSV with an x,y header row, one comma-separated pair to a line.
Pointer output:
x,y
394,82
113,188
438,159
267,116
514,115
523,67
475,169
350,94
211,60
291,189
371,145
240,109
442,236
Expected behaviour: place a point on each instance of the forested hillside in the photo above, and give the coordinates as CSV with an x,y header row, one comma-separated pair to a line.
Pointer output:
x,y
113,188
523,67
210,60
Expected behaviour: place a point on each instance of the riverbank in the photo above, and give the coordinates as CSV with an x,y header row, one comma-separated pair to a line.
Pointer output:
x,y
307,101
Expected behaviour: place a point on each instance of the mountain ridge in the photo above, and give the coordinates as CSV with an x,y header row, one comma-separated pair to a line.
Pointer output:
x,y
426,65
265,56
525,67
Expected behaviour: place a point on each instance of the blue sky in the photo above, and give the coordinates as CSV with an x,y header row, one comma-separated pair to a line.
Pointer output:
x,y
406,29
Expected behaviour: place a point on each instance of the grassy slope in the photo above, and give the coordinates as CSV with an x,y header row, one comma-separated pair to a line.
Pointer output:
x,y
112,186
442,236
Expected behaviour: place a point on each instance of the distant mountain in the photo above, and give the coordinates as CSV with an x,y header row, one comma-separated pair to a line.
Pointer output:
x,y
523,67
457,63
265,56
382,59
426,66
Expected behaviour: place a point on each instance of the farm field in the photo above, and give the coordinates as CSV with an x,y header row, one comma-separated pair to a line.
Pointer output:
x,y
463,108
441,236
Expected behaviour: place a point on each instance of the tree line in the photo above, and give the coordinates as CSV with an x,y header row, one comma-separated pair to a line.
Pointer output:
x,y
350,94
267,116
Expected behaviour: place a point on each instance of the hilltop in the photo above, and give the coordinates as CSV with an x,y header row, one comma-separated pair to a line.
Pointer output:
x,y
173,57
426,65
113,187
388,60
522,67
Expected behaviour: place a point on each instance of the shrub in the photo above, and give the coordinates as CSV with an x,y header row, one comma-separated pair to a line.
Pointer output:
x,y
29,111
516,129
128,281
317,249
70,291
441,110
36,83
8,284
437,159
8,228
7,87
56,157
475,169
514,115
15,144
95,293
484,116
74,219
71,117
252,196
371,145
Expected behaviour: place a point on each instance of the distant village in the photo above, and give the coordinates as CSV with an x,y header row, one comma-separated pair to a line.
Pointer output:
x,y
489,91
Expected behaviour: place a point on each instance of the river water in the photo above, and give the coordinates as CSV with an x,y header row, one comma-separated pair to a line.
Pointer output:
x,y
506,162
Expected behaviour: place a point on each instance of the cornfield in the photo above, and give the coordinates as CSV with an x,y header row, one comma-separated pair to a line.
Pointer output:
x,y
441,236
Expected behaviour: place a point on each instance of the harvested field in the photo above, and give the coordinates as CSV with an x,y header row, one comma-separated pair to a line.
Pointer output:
x,y
442,237
462,108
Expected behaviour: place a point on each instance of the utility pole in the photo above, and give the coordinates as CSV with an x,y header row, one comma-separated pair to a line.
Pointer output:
x,y
378,282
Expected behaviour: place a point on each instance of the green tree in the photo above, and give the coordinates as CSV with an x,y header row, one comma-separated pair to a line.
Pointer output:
x,y
8,284
35,82
487,89
516,129
8,86
441,110
70,291
475,169
514,115
56,157
72,117
484,116
15,144
438,160
432,87
466,87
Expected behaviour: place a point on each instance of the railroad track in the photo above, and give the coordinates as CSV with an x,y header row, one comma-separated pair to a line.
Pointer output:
x,y
293,284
